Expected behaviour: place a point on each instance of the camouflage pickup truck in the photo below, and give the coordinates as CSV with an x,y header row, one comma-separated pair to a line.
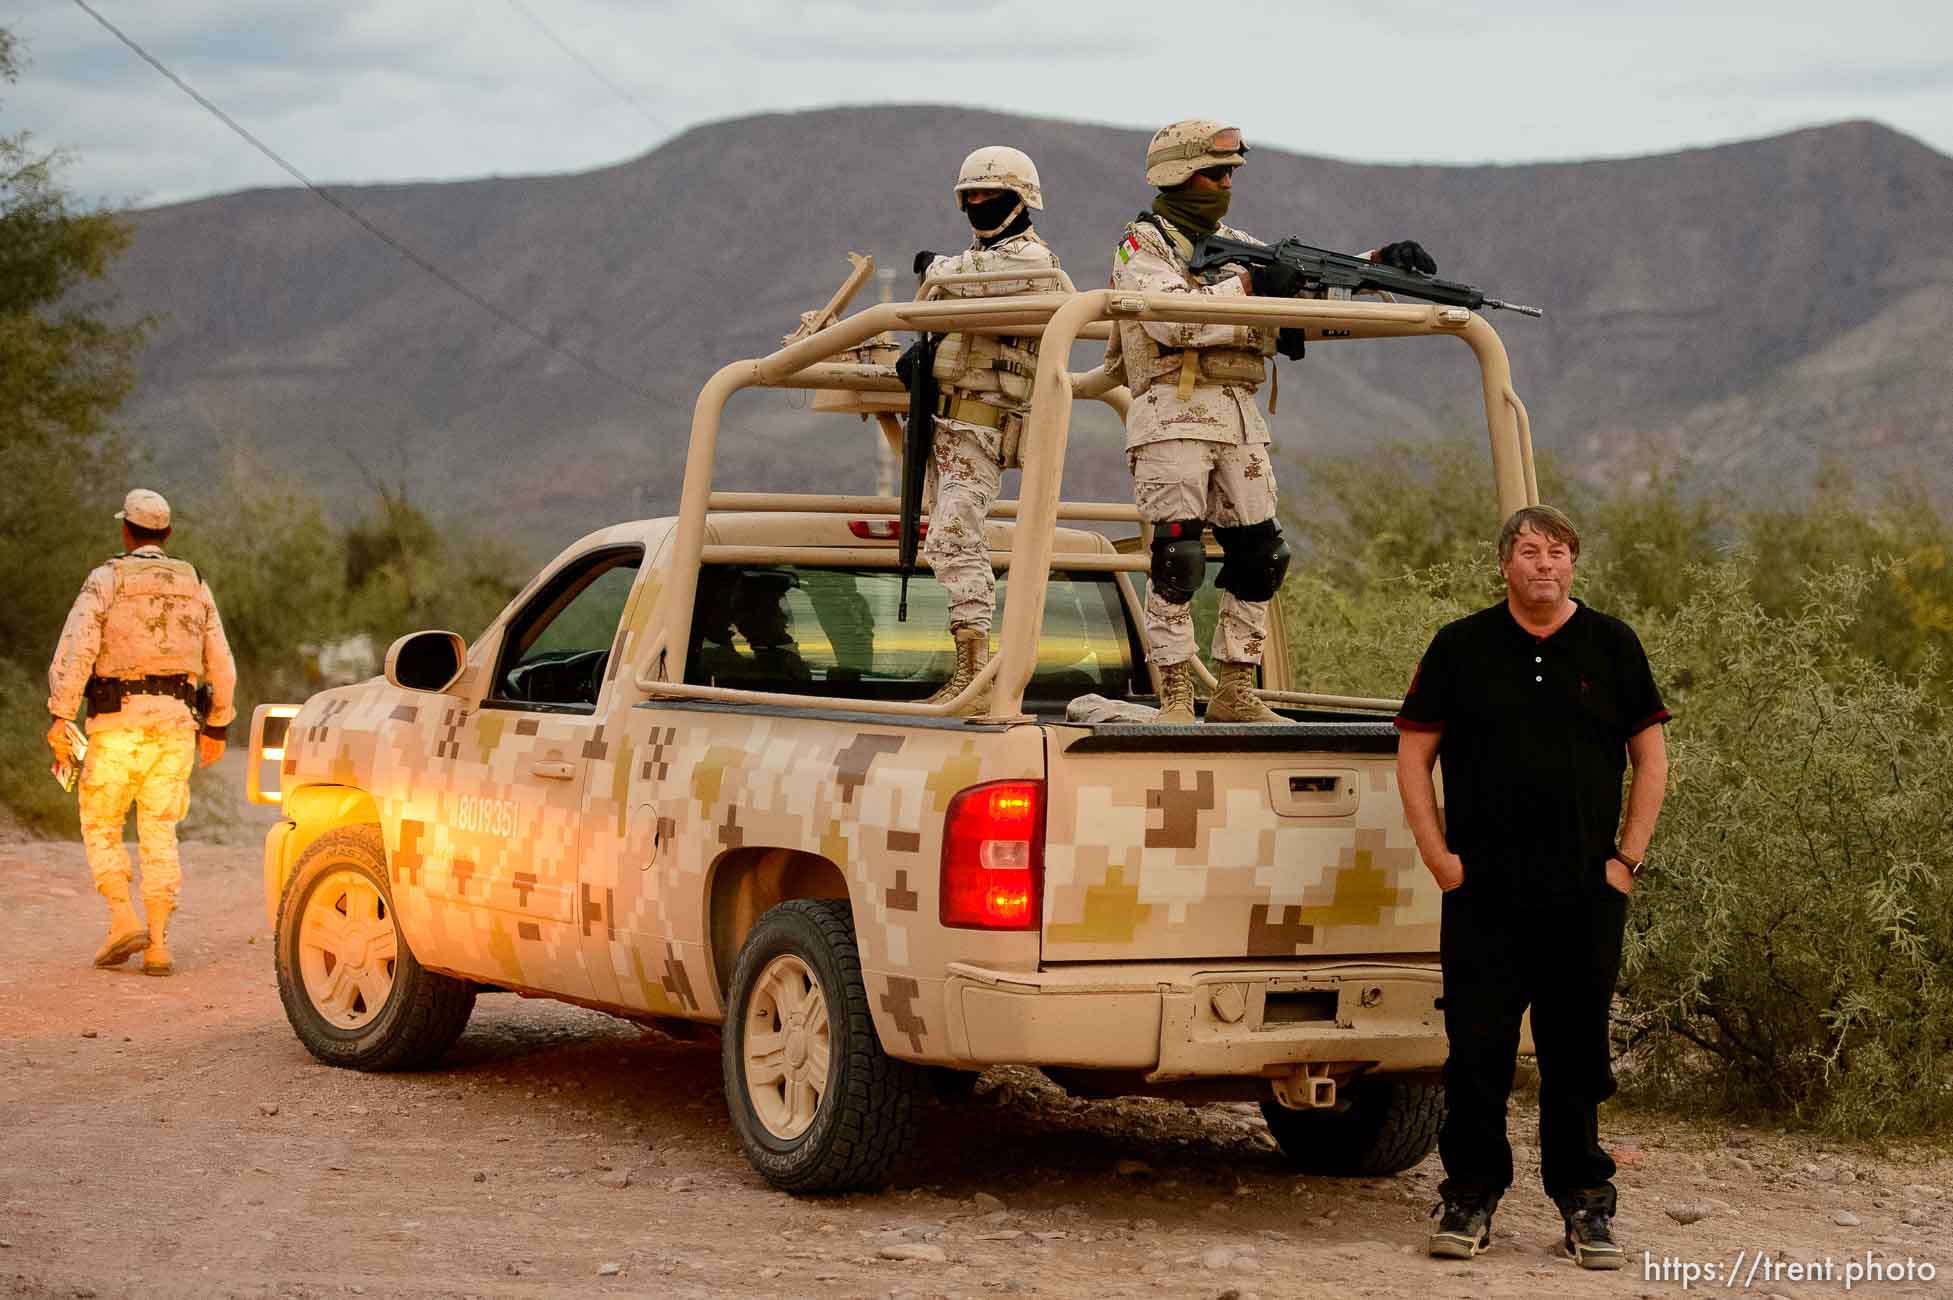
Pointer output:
x,y
689,774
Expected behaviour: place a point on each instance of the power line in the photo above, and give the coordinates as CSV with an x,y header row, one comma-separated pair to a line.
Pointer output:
x,y
355,215
594,70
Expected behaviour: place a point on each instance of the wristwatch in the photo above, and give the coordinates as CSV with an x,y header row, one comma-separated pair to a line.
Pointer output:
x,y
1633,865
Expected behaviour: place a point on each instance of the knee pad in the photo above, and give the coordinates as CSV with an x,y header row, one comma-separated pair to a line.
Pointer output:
x,y
1255,560
1179,559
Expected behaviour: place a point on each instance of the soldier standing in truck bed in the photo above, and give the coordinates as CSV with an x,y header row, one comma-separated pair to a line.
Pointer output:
x,y
141,639
984,389
1195,441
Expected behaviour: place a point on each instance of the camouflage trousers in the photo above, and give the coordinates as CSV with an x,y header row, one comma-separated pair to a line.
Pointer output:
x,y
150,767
964,476
1227,484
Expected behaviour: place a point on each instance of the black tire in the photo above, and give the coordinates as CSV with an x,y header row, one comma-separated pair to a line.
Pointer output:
x,y
864,1114
1380,1126
419,1013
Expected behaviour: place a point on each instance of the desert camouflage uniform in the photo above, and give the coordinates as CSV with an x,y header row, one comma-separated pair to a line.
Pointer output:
x,y
1199,456
140,615
967,461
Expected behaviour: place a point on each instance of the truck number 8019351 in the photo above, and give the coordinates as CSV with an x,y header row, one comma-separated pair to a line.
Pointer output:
x,y
489,816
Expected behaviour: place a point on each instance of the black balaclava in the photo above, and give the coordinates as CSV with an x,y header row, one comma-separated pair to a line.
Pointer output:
x,y
998,219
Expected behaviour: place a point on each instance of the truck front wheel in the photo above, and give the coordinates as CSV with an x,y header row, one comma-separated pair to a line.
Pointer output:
x,y
1386,1126
351,988
818,1106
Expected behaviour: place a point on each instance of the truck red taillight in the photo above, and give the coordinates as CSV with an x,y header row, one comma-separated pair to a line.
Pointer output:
x,y
883,530
993,856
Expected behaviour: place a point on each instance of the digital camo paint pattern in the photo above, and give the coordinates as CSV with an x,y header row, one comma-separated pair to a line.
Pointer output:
x,y
617,857
1197,863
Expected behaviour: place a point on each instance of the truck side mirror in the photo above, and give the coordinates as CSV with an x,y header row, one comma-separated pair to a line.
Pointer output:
x,y
426,661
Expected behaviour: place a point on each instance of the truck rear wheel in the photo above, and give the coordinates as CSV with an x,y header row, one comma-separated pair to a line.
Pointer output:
x,y
818,1106
1388,1126
351,988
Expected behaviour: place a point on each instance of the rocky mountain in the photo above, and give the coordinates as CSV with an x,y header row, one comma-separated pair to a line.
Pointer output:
x,y
1741,311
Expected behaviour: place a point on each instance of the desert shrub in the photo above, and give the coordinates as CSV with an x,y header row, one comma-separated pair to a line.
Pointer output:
x,y
276,569
1368,642
1400,508
31,794
405,572
1792,955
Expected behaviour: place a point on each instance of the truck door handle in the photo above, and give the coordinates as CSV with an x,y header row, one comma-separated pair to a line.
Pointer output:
x,y
553,769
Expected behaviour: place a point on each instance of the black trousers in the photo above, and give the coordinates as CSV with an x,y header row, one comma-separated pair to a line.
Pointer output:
x,y
1503,950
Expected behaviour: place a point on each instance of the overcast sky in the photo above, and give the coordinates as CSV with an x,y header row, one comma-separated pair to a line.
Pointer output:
x,y
369,90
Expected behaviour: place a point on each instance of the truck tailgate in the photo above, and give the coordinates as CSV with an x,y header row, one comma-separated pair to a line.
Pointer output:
x,y
1175,843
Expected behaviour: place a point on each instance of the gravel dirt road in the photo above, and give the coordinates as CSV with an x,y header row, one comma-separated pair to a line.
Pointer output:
x,y
170,1137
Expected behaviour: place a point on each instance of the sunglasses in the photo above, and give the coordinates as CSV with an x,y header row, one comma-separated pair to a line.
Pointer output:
x,y
1219,173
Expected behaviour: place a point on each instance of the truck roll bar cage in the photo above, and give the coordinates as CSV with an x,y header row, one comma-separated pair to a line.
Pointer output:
x,y
1060,319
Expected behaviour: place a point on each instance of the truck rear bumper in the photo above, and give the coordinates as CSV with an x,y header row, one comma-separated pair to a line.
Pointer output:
x,y
1186,1021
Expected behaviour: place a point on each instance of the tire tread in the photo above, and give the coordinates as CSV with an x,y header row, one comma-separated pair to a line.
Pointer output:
x,y
436,1008
876,1119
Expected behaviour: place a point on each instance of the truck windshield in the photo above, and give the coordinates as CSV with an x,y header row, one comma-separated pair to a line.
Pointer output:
x,y
791,628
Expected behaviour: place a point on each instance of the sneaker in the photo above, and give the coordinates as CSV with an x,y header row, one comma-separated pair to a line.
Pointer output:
x,y
1590,1230
1464,1229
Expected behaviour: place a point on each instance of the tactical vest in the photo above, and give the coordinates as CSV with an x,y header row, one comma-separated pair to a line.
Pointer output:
x,y
992,368
988,367
155,622
1140,359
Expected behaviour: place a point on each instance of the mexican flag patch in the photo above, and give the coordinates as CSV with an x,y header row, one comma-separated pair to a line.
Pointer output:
x,y
1128,247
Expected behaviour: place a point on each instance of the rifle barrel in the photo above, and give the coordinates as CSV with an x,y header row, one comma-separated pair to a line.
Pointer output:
x,y
1341,270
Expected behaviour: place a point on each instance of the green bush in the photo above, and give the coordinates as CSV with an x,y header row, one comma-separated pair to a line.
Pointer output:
x,y
1367,643
1793,954
276,569
31,794
404,572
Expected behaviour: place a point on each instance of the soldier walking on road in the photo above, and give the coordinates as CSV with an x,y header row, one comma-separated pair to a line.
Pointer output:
x,y
141,639
1195,441
1536,706
983,391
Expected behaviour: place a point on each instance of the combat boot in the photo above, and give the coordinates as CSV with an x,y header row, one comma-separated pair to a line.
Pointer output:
x,y
156,957
1176,693
972,653
127,935
1235,699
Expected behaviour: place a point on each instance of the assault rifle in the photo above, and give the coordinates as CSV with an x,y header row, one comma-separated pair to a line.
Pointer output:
x,y
917,369
1338,275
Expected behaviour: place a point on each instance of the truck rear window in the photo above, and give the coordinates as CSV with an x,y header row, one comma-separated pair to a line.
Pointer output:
x,y
833,632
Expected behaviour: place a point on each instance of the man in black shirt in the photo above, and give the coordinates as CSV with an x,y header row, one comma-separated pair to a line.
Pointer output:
x,y
1536,707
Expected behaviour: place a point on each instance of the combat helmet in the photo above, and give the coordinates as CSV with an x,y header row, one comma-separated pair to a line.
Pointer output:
x,y
1180,149
1000,167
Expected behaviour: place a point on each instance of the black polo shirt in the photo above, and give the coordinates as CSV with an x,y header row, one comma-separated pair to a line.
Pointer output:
x,y
1534,742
